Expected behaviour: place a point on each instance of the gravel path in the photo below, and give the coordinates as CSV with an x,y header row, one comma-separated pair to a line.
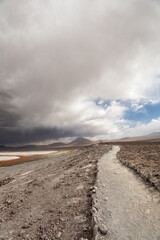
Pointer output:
x,y
124,207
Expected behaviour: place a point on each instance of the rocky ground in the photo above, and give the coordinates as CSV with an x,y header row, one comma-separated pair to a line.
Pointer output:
x,y
144,159
50,199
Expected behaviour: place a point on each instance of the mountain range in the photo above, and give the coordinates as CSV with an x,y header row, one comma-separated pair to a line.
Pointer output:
x,y
75,143
80,141
153,137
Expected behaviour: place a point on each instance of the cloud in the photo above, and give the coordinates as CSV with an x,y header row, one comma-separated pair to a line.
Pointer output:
x,y
100,102
142,129
136,107
58,57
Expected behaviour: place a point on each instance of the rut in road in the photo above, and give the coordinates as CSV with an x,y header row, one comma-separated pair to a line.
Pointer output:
x,y
127,207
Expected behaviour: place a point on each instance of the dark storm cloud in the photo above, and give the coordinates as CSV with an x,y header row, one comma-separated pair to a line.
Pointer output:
x,y
14,137
27,136
57,57
8,116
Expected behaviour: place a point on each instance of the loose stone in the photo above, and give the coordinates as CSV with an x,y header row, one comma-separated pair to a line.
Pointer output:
x,y
103,230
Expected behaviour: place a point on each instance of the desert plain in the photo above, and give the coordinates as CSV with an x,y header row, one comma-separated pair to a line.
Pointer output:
x,y
51,196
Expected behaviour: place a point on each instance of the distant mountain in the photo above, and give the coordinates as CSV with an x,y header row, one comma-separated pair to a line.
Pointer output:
x,y
154,137
77,142
2,146
125,138
80,141
28,146
57,144
154,133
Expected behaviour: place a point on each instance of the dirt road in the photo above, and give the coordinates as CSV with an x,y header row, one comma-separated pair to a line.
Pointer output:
x,y
125,208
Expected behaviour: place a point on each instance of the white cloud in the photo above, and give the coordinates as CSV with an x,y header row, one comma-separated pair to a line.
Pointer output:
x,y
143,129
100,102
136,107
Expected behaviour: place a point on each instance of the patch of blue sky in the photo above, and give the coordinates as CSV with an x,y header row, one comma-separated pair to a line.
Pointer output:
x,y
140,111
103,103
143,112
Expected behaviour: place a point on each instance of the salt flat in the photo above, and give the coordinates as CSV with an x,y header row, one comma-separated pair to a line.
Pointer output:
x,y
26,153
6,158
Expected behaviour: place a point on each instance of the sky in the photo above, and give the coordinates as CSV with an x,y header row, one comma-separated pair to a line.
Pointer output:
x,y
78,68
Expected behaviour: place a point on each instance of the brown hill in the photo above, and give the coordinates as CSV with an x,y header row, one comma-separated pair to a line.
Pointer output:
x,y
80,141
148,138
57,144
